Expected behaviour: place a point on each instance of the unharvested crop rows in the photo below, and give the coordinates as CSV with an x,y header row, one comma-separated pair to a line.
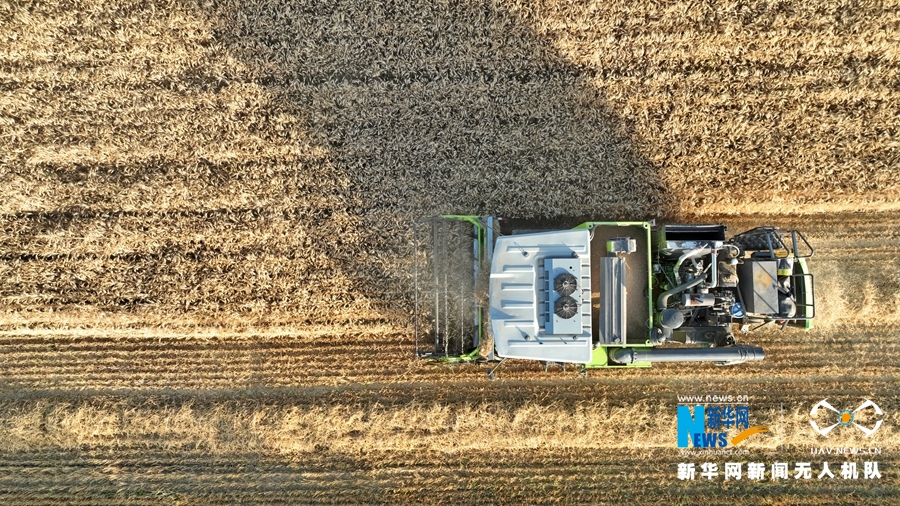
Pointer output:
x,y
235,136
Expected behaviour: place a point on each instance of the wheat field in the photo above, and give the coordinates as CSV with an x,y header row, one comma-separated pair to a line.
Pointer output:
x,y
205,213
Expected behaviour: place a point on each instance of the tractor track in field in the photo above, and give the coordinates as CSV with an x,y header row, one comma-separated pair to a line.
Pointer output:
x,y
36,363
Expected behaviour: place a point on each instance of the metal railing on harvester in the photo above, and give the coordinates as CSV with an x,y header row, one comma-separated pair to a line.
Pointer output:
x,y
774,243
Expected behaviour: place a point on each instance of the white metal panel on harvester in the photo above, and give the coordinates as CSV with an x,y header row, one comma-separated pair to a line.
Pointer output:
x,y
520,296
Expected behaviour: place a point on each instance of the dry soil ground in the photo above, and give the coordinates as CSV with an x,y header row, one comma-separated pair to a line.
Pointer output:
x,y
205,240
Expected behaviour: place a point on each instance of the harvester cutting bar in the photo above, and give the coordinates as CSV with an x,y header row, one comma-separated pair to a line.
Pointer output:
x,y
447,264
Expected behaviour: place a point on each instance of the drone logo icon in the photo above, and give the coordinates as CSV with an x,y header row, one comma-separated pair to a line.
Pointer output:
x,y
845,417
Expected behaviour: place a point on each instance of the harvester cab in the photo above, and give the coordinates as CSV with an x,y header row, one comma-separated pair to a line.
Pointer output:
x,y
603,294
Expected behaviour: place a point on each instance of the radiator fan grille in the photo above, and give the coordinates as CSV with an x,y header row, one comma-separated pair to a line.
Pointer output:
x,y
566,307
565,284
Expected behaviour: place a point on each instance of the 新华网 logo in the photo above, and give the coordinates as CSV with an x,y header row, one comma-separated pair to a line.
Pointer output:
x,y
708,425
846,417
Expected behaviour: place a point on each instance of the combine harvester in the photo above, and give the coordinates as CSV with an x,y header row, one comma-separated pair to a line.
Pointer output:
x,y
603,294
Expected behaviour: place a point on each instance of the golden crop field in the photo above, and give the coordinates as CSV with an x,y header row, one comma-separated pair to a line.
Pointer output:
x,y
205,240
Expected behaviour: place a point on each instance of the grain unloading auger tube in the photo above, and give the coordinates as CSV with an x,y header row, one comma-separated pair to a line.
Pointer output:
x,y
604,294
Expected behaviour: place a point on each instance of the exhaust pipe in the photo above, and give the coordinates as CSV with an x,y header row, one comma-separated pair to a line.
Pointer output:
x,y
699,252
663,300
727,355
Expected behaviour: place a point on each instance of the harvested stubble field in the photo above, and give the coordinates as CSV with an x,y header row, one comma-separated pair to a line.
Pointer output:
x,y
206,259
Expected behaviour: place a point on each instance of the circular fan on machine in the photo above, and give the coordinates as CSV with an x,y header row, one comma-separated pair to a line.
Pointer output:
x,y
565,284
565,307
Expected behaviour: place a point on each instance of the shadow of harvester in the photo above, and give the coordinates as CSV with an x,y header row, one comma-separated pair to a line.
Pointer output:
x,y
436,107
